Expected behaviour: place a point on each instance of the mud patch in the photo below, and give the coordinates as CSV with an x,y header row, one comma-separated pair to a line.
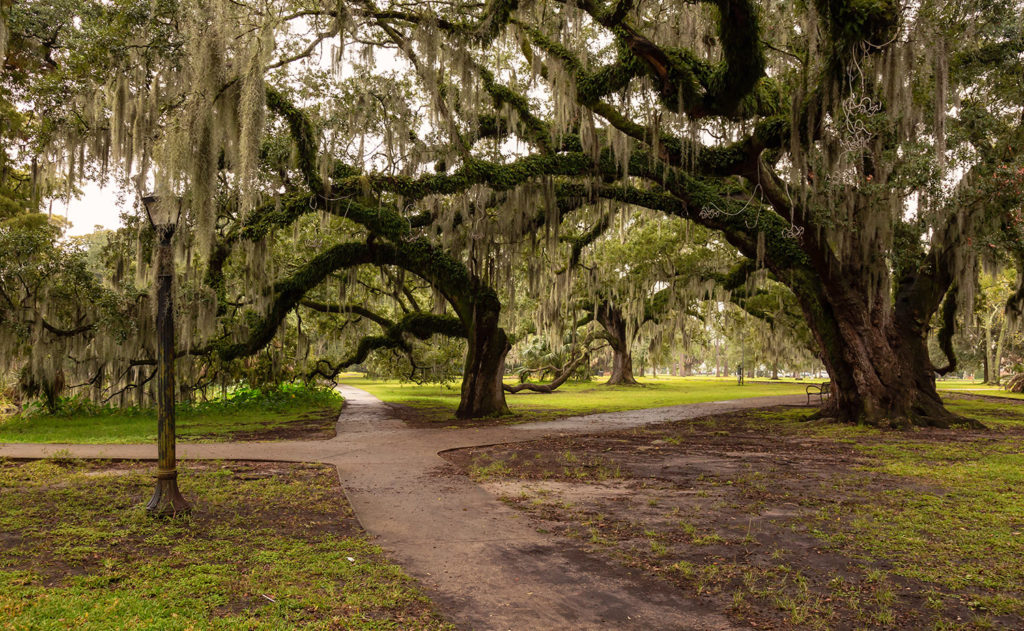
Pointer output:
x,y
433,417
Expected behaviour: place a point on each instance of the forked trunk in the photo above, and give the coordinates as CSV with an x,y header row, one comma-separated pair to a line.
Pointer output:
x,y
487,345
880,369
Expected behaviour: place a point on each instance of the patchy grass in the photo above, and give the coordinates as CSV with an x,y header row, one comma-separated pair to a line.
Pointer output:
x,y
269,546
965,535
436,403
484,469
793,525
246,414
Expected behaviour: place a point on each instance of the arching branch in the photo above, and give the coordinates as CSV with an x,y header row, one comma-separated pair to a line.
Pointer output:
x,y
547,388
422,326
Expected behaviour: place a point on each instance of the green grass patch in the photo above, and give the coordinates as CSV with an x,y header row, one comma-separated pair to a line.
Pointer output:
x,y
269,546
438,403
957,521
484,469
243,410
994,414
971,387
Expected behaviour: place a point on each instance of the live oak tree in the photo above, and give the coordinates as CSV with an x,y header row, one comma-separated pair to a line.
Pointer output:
x,y
189,112
986,336
823,155
50,293
641,271
846,148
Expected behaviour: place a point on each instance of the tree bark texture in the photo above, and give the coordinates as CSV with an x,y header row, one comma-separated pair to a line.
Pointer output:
x,y
486,346
877,355
610,317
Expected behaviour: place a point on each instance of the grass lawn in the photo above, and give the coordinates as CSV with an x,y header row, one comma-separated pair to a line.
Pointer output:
x,y
792,525
437,403
268,546
246,413
972,387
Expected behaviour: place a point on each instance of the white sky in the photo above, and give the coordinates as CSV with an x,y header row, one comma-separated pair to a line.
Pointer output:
x,y
96,207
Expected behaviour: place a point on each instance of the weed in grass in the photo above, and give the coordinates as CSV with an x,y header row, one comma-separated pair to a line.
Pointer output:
x,y
598,539
486,472
935,600
739,602
707,540
684,569
688,529
706,578
577,473
873,575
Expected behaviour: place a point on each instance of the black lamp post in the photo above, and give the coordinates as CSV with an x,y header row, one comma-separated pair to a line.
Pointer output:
x,y
167,499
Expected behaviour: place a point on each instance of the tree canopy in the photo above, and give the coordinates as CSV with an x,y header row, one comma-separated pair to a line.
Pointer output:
x,y
378,174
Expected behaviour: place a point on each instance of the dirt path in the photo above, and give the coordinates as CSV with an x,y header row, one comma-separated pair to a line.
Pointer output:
x,y
485,567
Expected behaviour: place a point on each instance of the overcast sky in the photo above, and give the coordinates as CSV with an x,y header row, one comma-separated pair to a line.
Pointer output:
x,y
96,207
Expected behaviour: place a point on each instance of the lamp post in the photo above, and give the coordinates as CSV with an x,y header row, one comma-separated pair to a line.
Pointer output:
x,y
167,499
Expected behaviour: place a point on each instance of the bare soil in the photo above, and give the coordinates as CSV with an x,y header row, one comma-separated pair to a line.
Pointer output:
x,y
721,509
432,417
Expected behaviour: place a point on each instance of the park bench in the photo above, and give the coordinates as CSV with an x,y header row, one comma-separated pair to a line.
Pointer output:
x,y
821,390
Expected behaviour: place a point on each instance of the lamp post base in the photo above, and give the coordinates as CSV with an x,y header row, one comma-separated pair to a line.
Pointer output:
x,y
167,500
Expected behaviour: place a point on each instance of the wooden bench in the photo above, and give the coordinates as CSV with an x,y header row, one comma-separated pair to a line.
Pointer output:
x,y
823,391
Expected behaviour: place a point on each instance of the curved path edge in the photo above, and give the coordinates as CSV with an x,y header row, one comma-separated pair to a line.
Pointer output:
x,y
481,561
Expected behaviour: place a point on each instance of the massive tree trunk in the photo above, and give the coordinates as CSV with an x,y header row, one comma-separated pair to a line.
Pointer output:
x,y
486,347
877,357
610,317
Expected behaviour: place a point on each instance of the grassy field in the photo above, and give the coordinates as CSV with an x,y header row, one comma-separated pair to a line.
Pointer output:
x,y
252,412
244,411
971,387
438,402
269,546
793,525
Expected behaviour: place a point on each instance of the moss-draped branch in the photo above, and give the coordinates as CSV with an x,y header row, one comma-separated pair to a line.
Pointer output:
x,y
420,325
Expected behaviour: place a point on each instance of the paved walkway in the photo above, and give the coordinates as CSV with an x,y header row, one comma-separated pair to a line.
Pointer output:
x,y
482,563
